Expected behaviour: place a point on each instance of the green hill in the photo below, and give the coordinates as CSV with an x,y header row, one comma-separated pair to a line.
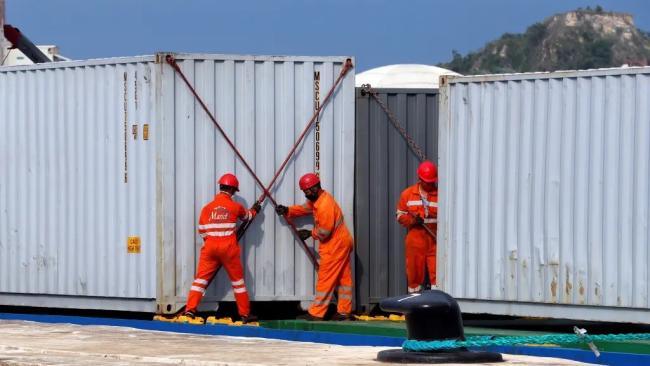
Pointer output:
x,y
581,39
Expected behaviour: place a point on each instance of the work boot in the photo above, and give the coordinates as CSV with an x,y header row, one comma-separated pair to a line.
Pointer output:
x,y
343,317
309,317
248,318
190,314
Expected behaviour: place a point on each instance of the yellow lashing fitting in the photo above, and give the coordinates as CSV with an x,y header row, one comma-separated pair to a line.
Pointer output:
x,y
162,318
392,317
228,321
367,318
251,324
364,318
212,320
215,320
188,320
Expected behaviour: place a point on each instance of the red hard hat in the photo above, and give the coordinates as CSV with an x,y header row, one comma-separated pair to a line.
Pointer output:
x,y
308,180
229,180
428,172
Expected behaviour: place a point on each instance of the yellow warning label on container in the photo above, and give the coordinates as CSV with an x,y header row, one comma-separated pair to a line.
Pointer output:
x,y
133,245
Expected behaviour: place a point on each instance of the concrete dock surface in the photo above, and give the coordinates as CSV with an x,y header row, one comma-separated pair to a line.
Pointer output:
x,y
31,343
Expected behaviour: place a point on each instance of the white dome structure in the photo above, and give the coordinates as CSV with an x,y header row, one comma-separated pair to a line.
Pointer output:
x,y
413,76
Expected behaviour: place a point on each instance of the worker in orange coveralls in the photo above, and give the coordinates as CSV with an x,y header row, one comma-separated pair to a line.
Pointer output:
x,y
335,248
417,208
217,226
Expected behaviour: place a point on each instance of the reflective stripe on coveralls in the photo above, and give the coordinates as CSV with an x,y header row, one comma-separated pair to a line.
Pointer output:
x,y
420,246
216,226
335,248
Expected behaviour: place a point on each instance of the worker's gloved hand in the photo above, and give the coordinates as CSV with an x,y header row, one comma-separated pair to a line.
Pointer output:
x,y
281,210
304,234
257,207
418,220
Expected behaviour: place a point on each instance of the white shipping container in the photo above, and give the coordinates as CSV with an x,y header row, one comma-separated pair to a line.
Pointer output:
x,y
545,194
93,153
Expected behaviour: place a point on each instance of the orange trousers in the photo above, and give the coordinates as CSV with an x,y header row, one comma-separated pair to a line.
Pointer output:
x,y
420,252
214,254
334,274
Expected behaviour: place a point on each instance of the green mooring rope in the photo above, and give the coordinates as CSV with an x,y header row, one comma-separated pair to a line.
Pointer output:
x,y
486,341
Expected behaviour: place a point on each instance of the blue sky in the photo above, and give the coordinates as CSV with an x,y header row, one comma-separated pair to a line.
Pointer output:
x,y
377,33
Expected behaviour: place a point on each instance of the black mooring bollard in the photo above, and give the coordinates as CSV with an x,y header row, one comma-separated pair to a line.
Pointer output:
x,y
432,316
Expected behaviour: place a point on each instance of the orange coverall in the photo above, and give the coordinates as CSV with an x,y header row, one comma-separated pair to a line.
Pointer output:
x,y
334,250
217,226
420,245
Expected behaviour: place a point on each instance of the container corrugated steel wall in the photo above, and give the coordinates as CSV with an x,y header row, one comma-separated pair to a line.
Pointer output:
x,y
263,104
2,32
65,209
72,130
545,193
385,166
